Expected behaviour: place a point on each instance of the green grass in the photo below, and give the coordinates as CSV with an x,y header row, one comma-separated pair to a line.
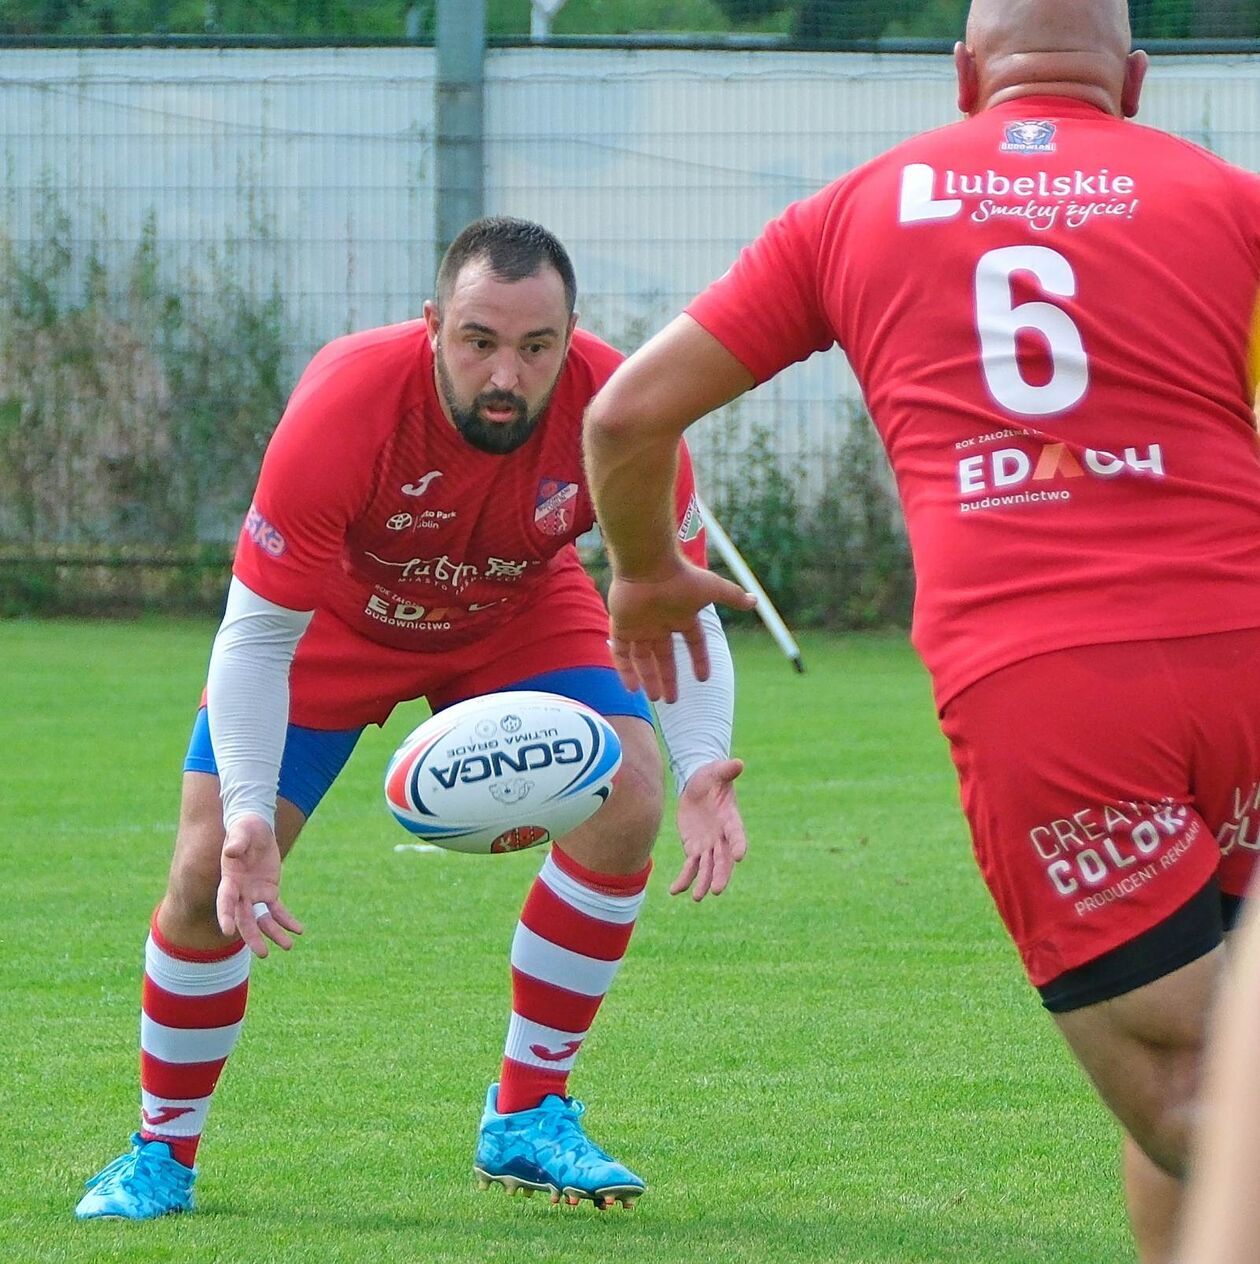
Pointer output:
x,y
838,1060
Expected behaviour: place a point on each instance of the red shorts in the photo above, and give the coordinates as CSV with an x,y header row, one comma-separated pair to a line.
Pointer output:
x,y
1105,785
341,679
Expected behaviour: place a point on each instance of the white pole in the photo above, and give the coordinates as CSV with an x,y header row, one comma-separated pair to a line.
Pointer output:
x,y
743,573
541,13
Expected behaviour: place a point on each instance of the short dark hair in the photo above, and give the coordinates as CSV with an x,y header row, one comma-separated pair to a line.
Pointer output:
x,y
514,249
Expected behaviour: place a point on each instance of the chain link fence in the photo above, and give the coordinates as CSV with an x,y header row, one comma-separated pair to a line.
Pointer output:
x,y
181,228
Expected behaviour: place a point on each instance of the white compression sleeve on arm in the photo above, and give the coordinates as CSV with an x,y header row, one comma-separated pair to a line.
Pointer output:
x,y
697,728
247,697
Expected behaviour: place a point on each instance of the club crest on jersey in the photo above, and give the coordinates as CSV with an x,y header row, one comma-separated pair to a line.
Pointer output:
x,y
1031,136
692,522
553,510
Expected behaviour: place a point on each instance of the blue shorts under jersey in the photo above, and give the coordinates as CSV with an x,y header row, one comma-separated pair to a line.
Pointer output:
x,y
314,757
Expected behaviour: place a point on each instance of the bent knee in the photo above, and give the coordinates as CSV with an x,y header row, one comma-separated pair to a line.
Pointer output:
x,y
637,802
1144,1052
1169,1113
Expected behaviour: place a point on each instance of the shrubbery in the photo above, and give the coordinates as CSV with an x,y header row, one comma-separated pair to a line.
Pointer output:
x,y
134,409
839,562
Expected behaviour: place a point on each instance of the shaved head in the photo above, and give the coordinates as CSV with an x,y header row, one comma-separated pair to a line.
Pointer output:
x,y
1036,26
1075,48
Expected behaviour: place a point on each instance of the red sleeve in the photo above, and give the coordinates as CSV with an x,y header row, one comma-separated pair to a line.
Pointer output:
x,y
766,310
691,535
1251,219
600,357
316,476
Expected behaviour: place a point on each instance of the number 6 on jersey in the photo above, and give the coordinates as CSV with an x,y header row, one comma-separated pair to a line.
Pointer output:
x,y
999,321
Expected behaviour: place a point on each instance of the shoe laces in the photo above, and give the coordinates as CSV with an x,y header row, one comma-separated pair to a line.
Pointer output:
x,y
562,1124
141,1173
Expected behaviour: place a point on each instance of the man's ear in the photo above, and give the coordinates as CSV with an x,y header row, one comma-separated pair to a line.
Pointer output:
x,y
1135,68
433,321
968,79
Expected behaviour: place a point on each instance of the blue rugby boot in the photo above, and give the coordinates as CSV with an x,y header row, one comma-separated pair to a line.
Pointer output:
x,y
142,1184
545,1148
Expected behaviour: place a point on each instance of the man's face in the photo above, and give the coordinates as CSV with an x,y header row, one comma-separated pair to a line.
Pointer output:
x,y
498,350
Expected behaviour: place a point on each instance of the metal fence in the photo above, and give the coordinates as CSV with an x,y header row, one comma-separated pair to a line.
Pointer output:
x,y
310,171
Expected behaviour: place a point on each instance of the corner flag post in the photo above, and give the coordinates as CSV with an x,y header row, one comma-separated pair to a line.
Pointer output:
x,y
743,574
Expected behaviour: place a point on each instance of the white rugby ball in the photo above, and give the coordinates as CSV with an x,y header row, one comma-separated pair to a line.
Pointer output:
x,y
502,772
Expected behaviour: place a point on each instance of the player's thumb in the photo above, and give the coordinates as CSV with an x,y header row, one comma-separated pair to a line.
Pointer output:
x,y
729,594
726,770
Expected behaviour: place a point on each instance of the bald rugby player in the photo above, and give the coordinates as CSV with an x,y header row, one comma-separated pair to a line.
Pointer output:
x,y
1049,311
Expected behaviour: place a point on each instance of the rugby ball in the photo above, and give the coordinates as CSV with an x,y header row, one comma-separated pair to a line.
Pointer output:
x,y
502,772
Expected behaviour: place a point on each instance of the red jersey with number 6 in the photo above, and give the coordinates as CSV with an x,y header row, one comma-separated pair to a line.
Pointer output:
x,y
1049,311
371,505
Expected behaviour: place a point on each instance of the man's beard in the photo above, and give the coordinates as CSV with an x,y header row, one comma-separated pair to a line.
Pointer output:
x,y
496,437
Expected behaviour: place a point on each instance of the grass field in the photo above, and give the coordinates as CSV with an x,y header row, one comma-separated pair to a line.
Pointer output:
x,y
838,1060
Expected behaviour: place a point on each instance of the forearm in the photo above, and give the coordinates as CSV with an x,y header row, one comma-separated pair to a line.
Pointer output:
x,y
632,485
697,727
248,699
632,431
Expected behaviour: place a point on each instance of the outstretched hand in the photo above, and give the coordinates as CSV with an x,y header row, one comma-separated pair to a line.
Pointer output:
x,y
249,902
645,614
712,832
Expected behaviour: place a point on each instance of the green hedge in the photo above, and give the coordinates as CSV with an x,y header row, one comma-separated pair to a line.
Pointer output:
x,y
135,406
112,582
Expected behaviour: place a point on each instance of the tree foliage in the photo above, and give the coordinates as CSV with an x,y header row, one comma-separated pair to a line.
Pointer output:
x,y
837,20
827,20
822,21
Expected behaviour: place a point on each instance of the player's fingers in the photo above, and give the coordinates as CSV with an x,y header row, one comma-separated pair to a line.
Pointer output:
x,y
269,925
739,842
284,917
624,665
723,864
666,667
649,668
704,879
276,933
698,648
620,651
737,837
247,927
686,875
225,908
669,680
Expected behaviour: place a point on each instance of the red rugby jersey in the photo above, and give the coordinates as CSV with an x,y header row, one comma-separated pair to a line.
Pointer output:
x,y
371,504
1049,311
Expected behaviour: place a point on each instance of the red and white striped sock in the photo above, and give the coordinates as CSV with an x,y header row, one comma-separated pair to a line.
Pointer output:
x,y
191,1014
568,946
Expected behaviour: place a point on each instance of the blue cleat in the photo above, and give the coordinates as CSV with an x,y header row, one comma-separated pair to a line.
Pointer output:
x,y
545,1148
142,1184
